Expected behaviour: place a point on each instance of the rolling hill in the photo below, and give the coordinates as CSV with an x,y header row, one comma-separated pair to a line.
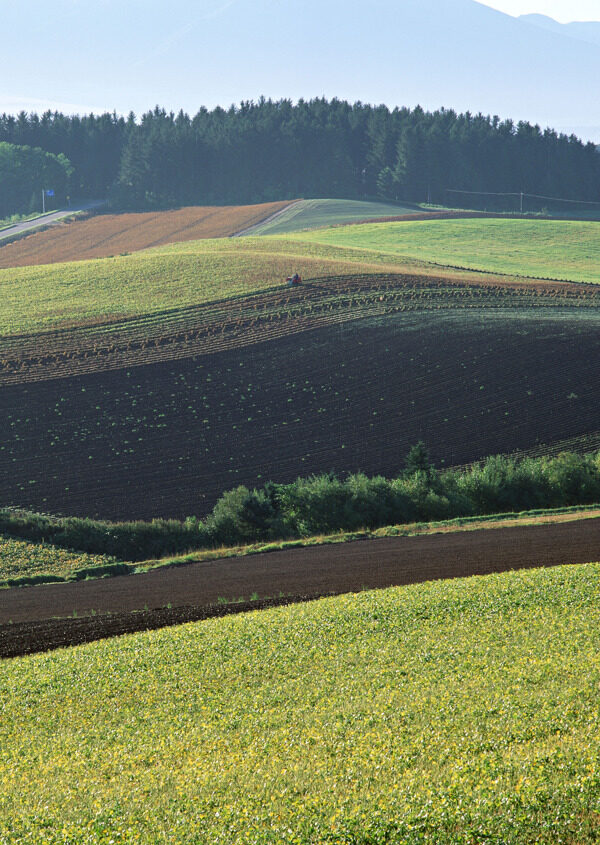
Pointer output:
x,y
311,214
407,714
145,385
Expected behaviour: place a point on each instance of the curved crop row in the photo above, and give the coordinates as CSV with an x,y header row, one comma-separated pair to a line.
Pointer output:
x,y
205,329
167,438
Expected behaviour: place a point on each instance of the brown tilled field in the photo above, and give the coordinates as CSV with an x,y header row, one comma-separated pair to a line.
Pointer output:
x,y
106,235
167,438
172,596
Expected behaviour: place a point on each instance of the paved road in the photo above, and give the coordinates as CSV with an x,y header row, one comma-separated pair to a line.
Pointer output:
x,y
48,219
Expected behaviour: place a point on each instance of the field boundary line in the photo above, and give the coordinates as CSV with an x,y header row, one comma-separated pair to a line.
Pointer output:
x,y
249,229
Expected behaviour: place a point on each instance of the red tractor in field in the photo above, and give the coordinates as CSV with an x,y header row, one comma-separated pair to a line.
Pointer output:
x,y
294,280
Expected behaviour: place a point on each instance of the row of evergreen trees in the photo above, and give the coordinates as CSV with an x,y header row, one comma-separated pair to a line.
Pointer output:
x,y
276,150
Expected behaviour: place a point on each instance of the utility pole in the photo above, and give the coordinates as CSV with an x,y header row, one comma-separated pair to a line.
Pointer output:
x,y
522,202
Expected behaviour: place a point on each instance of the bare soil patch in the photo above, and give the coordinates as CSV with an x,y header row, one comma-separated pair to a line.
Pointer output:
x,y
140,602
166,439
105,235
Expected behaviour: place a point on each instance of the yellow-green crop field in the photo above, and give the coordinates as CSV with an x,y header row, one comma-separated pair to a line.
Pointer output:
x,y
446,713
51,295
535,248
20,559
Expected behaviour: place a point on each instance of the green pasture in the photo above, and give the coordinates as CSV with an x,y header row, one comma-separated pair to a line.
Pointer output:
x,y
183,274
19,559
310,214
177,275
534,248
447,712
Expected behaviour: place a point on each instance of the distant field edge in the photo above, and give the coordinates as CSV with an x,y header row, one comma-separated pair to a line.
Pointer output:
x,y
165,598
251,230
115,568
307,214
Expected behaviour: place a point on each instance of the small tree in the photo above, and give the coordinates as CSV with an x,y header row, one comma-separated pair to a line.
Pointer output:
x,y
417,460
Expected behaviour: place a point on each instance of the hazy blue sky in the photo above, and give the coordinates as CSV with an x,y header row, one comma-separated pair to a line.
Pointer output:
x,y
564,11
78,56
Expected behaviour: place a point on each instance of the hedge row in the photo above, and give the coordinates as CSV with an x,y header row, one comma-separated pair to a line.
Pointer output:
x,y
325,504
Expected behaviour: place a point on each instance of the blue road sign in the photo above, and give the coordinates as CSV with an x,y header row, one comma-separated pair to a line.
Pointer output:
x,y
50,193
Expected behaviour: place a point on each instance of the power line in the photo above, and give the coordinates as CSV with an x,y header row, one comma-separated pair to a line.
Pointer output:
x,y
481,193
521,194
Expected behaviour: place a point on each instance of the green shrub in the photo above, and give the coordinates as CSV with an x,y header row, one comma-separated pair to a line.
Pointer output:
x,y
324,504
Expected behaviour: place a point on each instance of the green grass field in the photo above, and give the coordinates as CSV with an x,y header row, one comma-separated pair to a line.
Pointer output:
x,y
448,712
20,559
310,214
47,296
540,248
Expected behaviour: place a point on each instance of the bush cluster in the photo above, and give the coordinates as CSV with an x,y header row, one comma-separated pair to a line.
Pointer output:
x,y
325,504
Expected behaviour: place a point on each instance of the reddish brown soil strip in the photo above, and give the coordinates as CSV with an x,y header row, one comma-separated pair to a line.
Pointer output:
x,y
318,570
113,234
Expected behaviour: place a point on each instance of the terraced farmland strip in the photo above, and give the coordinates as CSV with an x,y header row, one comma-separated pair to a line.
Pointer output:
x,y
230,324
112,234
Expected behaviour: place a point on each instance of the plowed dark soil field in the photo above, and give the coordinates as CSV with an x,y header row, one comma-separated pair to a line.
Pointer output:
x,y
172,596
166,439
112,344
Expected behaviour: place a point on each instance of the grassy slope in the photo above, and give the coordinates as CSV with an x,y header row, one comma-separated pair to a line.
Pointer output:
x,y
544,248
46,296
440,713
309,214
21,559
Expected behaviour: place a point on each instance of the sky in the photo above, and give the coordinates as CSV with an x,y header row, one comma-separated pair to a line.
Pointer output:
x,y
79,56
564,11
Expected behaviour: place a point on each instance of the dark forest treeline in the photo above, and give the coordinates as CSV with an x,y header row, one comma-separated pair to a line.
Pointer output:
x,y
276,150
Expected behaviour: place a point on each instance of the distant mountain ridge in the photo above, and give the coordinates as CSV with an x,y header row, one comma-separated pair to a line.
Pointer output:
x,y
460,54
588,31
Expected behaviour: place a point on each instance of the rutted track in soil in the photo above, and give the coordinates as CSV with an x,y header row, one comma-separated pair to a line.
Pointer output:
x,y
166,439
235,323
193,590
